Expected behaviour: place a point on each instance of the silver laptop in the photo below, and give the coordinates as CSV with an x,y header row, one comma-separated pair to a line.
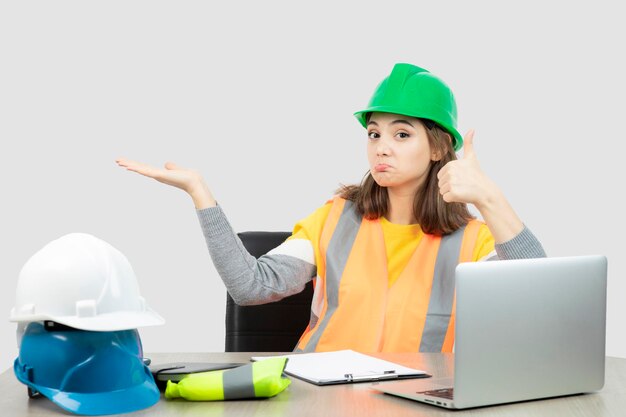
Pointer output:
x,y
525,329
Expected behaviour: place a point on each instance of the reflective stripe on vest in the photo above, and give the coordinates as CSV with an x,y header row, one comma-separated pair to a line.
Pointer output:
x,y
442,293
336,258
238,383
360,312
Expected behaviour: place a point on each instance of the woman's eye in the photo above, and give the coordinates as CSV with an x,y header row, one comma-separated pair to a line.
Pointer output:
x,y
403,135
372,135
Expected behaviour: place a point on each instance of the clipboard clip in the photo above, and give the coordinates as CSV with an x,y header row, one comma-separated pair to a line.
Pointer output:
x,y
371,377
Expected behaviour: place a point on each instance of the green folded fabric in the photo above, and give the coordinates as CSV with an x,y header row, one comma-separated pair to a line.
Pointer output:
x,y
260,379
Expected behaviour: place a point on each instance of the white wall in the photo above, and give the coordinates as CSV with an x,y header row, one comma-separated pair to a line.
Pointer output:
x,y
259,97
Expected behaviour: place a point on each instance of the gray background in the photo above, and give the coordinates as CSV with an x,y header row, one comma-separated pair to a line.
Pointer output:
x,y
259,97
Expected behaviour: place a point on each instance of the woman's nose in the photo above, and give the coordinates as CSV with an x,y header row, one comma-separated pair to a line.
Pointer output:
x,y
382,147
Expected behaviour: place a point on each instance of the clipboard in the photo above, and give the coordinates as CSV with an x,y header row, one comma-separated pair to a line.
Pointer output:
x,y
344,367
178,370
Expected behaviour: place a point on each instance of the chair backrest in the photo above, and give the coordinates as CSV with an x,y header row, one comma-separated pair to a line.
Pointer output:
x,y
273,327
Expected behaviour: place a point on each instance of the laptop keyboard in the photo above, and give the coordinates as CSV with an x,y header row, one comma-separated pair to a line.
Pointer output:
x,y
442,393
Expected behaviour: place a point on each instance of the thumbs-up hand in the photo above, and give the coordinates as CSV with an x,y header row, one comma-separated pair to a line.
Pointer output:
x,y
462,181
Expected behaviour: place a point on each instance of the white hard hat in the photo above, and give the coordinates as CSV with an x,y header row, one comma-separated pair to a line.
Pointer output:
x,y
83,282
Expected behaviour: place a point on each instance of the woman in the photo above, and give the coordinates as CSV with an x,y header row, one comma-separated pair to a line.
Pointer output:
x,y
382,253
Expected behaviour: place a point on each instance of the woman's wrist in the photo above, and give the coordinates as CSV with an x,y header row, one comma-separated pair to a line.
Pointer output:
x,y
201,196
500,217
491,198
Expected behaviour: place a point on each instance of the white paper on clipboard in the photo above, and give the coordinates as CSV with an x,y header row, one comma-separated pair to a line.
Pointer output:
x,y
343,366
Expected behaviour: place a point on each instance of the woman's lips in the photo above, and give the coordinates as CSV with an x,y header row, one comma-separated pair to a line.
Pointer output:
x,y
381,167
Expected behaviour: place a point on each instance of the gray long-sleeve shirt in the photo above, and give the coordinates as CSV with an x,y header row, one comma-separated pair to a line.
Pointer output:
x,y
276,275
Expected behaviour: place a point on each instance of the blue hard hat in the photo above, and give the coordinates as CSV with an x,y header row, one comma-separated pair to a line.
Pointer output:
x,y
86,372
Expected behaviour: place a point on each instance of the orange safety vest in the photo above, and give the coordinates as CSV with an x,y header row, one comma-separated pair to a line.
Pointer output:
x,y
361,312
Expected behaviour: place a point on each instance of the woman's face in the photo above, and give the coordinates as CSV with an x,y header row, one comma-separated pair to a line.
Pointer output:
x,y
398,151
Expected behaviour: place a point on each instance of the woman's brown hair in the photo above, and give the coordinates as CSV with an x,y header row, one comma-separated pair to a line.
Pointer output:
x,y
433,214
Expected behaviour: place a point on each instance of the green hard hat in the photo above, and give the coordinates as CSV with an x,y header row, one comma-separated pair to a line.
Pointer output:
x,y
413,91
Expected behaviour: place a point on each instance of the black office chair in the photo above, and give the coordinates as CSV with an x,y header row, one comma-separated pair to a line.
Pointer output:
x,y
273,327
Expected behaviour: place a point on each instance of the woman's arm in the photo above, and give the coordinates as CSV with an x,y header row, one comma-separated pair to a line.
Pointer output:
x,y
248,280
278,274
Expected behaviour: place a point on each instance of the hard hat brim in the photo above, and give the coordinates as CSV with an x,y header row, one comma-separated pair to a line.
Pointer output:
x,y
122,320
135,398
